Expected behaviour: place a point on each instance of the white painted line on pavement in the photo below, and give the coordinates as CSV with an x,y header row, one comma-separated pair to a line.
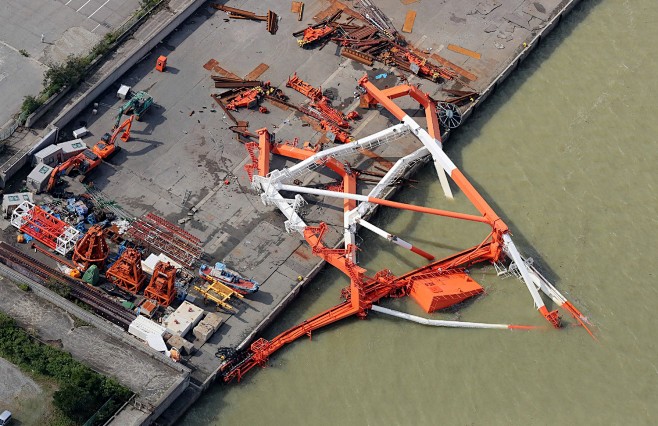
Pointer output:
x,y
83,6
106,2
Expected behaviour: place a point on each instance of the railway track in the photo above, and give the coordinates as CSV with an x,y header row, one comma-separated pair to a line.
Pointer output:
x,y
91,296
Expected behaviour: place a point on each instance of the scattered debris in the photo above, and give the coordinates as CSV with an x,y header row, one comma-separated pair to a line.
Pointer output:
x,y
464,51
257,72
459,70
230,82
409,21
298,8
271,18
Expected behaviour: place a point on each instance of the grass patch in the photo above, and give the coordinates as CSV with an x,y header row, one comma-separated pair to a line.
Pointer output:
x,y
82,391
77,322
23,286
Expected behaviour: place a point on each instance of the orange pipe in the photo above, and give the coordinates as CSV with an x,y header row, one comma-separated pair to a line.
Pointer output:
x,y
303,154
396,91
433,122
423,253
477,200
349,187
427,210
263,151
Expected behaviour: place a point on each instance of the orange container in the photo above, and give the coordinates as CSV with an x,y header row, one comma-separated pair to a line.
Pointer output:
x,y
161,64
436,291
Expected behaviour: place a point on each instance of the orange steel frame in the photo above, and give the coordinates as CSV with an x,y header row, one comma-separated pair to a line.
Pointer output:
x,y
363,290
127,271
91,249
162,287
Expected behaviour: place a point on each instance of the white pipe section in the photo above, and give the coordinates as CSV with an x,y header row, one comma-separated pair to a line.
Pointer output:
x,y
390,176
390,237
443,179
441,160
516,257
433,145
324,192
349,234
546,287
438,323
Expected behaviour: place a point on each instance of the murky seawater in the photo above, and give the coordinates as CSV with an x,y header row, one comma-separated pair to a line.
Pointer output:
x,y
566,153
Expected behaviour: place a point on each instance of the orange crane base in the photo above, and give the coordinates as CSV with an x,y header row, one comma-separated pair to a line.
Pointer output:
x,y
91,249
127,271
162,287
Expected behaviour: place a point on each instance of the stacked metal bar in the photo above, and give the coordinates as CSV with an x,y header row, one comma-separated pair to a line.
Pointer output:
x,y
156,232
222,82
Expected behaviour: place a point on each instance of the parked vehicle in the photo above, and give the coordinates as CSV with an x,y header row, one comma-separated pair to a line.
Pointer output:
x,y
5,418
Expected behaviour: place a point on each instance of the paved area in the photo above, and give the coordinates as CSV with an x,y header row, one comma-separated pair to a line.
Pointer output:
x,y
144,375
28,402
182,156
15,386
69,27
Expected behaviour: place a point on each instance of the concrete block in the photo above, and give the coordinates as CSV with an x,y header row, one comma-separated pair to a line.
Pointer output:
x,y
181,344
203,332
78,133
123,91
212,320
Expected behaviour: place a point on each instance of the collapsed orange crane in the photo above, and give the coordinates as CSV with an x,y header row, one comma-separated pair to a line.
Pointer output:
x,y
296,83
162,287
91,249
248,98
127,271
438,285
319,102
312,34
427,69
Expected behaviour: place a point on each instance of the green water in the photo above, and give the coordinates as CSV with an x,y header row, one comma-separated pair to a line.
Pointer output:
x,y
565,151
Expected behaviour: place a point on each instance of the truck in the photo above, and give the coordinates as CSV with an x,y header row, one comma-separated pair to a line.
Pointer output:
x,y
5,418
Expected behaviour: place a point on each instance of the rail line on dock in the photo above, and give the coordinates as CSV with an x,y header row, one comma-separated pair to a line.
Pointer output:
x,y
94,298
